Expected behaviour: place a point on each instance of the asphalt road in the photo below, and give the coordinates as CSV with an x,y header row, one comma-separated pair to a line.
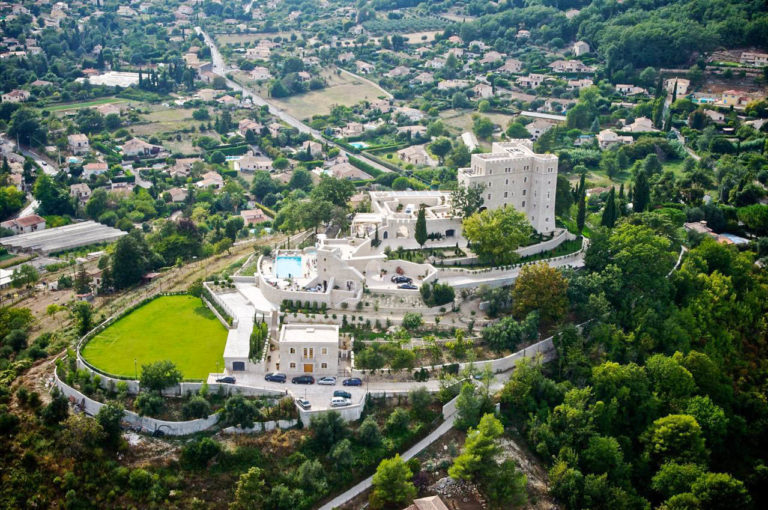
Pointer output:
x,y
220,68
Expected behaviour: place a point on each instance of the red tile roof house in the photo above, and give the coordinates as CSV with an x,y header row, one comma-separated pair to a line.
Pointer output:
x,y
254,216
31,223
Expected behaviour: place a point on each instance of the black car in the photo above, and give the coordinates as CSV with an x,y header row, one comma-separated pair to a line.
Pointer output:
x,y
303,379
226,380
342,394
401,279
407,286
275,377
353,381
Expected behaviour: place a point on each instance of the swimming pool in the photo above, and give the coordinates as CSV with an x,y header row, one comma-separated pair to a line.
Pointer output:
x,y
358,145
287,267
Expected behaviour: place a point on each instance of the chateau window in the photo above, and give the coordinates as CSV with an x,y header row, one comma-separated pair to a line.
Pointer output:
x,y
293,365
293,351
506,182
323,365
505,194
490,171
524,192
489,196
525,179
523,203
325,350
548,194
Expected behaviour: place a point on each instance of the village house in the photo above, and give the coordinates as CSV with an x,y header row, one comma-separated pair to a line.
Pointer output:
x,y
424,78
399,71
416,155
254,216
109,109
754,59
416,129
16,96
258,53
491,57
640,125
483,91
733,98
345,57
413,114
182,167
579,84
629,90
178,195
246,125
260,73
80,191
512,65
532,81
211,179
580,48
347,171
95,168
78,144
205,94
364,67
315,148
253,163
538,127
25,224
309,349
381,105
138,148
570,66
429,503
606,138
681,86
452,84
435,63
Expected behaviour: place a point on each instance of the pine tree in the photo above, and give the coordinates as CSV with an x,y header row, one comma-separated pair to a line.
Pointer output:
x,y
609,212
421,227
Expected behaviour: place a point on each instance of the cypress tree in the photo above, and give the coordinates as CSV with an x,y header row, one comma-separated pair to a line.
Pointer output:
x,y
582,212
609,212
642,192
421,227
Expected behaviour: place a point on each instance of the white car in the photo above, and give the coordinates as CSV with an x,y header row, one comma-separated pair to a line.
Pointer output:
x,y
328,381
340,402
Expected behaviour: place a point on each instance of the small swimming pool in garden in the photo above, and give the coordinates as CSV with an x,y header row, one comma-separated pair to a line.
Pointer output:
x,y
288,267
358,145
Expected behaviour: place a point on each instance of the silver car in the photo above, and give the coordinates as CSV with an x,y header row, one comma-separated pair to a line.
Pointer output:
x,y
327,381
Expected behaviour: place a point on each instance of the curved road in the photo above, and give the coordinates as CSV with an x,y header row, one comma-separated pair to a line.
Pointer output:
x,y
220,68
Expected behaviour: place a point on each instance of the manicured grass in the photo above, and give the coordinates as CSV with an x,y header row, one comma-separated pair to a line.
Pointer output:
x,y
86,104
176,328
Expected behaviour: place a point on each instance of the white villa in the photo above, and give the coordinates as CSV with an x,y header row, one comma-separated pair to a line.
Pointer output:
x,y
308,349
512,174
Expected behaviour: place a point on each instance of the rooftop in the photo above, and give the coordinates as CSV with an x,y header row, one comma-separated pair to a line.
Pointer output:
x,y
303,333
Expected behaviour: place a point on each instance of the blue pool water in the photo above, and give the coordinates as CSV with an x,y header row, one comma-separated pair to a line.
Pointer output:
x,y
358,145
286,267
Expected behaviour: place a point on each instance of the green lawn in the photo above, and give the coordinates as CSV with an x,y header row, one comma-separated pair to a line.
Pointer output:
x,y
176,328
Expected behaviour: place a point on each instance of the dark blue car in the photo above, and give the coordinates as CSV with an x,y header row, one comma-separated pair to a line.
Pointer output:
x,y
353,381
275,377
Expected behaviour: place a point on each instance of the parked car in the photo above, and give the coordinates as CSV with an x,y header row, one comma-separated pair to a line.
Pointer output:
x,y
342,394
327,381
275,377
226,380
407,286
303,379
304,404
401,279
340,402
352,381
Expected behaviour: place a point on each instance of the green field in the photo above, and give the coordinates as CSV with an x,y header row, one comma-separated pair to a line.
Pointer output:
x,y
86,104
176,328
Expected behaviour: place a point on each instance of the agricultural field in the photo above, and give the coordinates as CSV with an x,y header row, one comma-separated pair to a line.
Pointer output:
x,y
241,39
462,119
421,37
84,104
174,126
343,89
176,328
